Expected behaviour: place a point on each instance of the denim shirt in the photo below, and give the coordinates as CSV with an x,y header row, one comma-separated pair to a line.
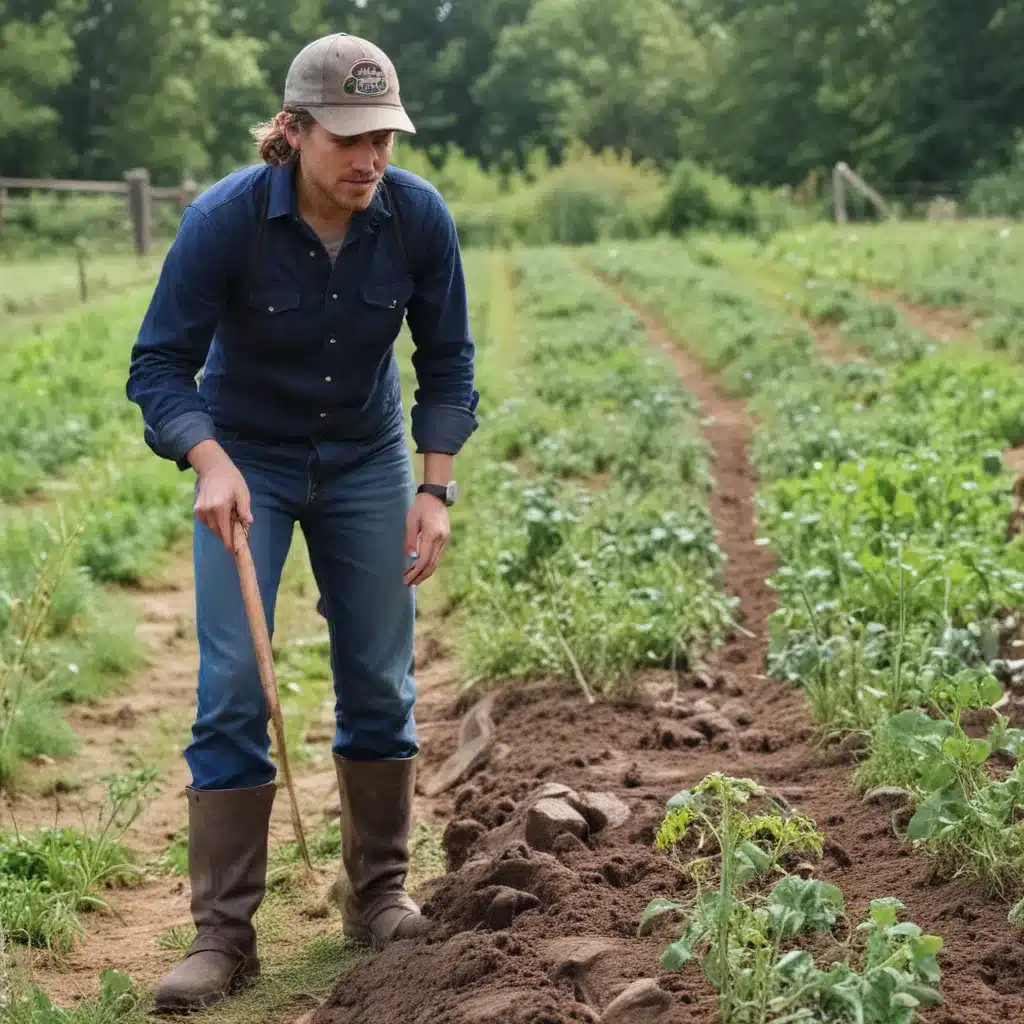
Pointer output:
x,y
291,347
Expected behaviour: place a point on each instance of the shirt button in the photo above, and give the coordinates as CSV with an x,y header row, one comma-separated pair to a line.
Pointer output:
x,y
334,341
335,295
323,415
270,309
312,252
328,379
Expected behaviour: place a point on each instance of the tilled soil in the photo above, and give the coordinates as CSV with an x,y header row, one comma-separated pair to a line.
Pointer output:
x,y
531,929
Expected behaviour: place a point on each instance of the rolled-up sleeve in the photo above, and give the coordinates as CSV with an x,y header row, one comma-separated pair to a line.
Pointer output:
x,y
444,413
175,337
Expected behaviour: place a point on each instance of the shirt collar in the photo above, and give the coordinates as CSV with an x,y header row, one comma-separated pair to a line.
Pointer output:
x,y
282,200
284,203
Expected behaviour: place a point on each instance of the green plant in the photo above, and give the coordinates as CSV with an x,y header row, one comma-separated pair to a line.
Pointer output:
x,y
586,546
178,937
744,847
23,685
119,999
885,500
47,878
741,932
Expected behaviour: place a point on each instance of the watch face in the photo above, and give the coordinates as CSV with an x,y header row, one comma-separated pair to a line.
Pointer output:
x,y
451,493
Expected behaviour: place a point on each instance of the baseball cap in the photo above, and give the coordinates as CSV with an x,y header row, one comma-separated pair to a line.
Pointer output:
x,y
349,85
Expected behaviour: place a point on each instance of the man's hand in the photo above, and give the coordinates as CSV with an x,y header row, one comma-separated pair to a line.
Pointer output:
x,y
426,534
222,491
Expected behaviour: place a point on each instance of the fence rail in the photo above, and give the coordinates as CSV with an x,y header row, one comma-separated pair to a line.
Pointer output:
x,y
135,185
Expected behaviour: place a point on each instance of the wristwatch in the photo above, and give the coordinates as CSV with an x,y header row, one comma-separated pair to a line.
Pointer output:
x,y
446,492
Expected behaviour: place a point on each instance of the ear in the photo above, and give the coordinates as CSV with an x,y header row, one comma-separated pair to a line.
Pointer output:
x,y
291,133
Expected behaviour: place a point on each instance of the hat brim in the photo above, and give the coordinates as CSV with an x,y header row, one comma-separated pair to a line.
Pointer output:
x,y
358,119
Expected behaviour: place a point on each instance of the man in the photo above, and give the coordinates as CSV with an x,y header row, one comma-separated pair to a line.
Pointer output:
x,y
287,284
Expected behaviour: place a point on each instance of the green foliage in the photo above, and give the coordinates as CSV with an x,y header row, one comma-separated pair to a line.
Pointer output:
x,y
48,878
966,819
39,224
699,199
750,938
582,200
91,89
975,269
119,1000
886,501
587,547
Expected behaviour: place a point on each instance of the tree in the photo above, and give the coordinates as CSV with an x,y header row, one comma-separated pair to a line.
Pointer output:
x,y
37,58
157,87
613,76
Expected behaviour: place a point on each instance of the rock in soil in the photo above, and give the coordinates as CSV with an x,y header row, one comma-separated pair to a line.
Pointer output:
x,y
458,841
601,810
737,712
476,737
642,1003
712,725
551,789
549,818
673,737
506,905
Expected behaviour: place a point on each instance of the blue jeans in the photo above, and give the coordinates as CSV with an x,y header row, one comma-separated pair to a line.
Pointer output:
x,y
351,502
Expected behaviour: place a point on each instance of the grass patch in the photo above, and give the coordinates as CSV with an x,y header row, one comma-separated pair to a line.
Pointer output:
x,y
49,878
178,937
119,1002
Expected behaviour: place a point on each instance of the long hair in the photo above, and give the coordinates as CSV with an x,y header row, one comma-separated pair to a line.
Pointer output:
x,y
272,141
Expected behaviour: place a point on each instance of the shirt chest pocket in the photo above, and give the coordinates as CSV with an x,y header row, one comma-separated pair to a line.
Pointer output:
x,y
382,309
274,318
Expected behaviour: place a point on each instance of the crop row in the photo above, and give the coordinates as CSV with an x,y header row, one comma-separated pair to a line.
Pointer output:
x,y
585,547
975,269
886,501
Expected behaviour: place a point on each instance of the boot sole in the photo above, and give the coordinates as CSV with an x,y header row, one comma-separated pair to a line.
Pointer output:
x,y
178,1007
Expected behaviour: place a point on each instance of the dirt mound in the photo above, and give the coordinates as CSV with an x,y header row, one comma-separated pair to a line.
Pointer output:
x,y
526,934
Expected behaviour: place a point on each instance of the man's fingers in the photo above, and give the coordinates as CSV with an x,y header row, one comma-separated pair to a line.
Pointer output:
x,y
426,565
242,504
225,527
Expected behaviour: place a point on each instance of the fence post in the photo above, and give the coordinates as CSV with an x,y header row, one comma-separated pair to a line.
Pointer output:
x,y
839,193
140,206
83,280
189,189
3,210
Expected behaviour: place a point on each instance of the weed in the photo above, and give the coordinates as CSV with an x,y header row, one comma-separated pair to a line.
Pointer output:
x,y
118,1002
178,937
749,938
48,878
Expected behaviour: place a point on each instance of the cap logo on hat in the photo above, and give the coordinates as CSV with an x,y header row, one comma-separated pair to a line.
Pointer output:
x,y
366,78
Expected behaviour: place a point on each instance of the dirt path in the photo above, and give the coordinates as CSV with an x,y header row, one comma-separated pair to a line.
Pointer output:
x,y
945,325
538,931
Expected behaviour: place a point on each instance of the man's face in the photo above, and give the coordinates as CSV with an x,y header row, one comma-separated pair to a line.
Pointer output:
x,y
345,169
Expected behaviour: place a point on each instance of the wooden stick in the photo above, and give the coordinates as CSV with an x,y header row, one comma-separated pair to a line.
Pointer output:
x,y
265,661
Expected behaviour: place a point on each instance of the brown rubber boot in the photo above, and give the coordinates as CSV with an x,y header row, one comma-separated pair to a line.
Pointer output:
x,y
227,866
376,813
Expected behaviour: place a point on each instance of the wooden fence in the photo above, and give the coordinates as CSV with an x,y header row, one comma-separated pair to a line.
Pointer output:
x,y
136,186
